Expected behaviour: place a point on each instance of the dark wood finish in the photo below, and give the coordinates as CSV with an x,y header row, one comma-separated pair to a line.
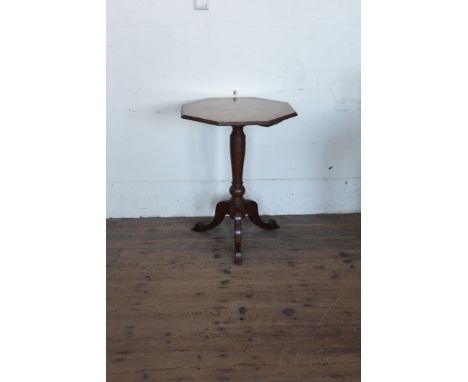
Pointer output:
x,y
179,310
237,207
252,210
237,112
223,208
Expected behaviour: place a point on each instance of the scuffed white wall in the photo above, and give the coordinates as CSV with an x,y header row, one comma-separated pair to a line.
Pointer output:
x,y
162,54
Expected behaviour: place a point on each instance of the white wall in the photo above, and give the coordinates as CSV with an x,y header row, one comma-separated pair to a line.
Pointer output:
x,y
162,54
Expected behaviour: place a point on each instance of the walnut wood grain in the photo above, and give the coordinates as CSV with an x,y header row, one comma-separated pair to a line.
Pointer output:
x,y
239,111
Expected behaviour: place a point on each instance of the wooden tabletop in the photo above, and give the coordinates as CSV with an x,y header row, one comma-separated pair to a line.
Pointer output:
x,y
238,111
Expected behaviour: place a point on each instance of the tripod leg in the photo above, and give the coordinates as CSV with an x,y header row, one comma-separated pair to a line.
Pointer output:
x,y
222,209
237,239
251,208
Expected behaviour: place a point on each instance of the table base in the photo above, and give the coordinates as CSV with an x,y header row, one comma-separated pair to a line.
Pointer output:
x,y
237,212
237,207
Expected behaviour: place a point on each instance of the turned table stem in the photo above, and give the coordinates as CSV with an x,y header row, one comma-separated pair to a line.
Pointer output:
x,y
237,189
237,140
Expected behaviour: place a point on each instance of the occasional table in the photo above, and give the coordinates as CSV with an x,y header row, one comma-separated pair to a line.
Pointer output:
x,y
237,112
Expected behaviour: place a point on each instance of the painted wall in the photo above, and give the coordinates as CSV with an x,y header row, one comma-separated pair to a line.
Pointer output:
x,y
162,54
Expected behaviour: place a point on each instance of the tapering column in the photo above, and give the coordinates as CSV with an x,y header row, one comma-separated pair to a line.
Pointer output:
x,y
237,189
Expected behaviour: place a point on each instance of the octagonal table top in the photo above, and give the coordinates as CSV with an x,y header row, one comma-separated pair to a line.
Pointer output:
x,y
238,111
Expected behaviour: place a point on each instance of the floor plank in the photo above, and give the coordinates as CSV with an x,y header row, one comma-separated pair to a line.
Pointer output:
x,y
178,309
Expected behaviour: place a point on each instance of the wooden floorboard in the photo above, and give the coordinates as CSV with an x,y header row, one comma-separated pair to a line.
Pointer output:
x,y
178,309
